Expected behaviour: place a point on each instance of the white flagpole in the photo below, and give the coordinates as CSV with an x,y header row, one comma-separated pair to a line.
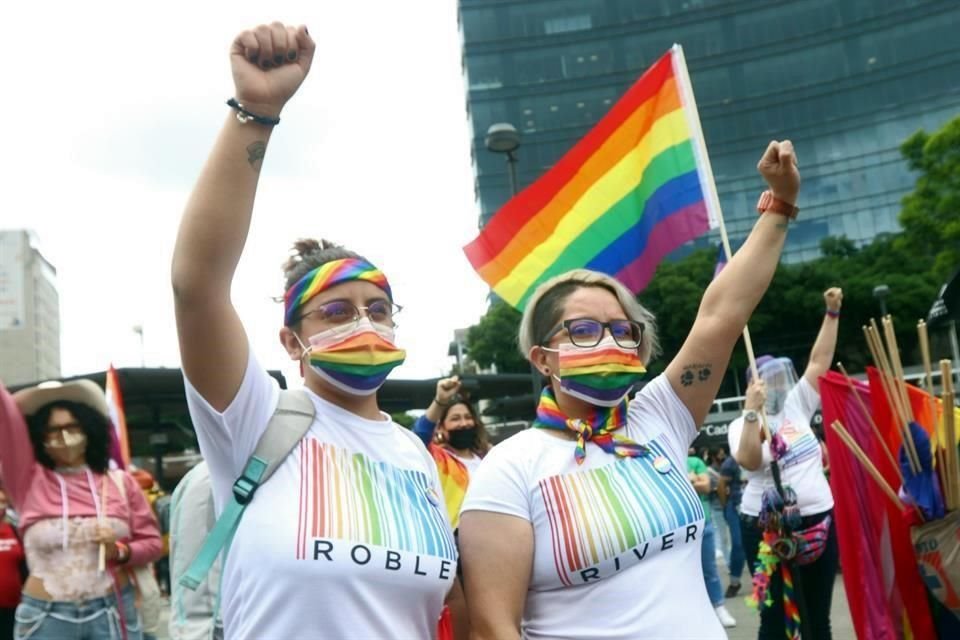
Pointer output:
x,y
706,179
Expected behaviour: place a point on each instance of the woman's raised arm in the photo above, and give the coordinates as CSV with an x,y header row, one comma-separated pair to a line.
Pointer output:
x,y
697,370
269,63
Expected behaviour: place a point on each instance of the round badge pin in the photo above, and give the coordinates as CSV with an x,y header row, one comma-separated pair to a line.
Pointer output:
x,y
432,496
661,464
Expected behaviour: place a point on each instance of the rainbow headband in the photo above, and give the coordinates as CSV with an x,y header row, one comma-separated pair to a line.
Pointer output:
x,y
328,275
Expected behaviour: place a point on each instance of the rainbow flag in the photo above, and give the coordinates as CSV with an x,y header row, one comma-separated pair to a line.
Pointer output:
x,y
632,190
118,417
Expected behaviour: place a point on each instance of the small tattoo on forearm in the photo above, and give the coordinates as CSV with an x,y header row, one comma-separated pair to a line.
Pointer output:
x,y
695,373
255,152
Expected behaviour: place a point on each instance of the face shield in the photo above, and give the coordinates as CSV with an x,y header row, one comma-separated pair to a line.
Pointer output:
x,y
780,377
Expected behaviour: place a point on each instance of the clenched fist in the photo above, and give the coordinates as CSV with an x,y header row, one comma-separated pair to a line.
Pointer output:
x,y
834,298
778,166
447,389
269,64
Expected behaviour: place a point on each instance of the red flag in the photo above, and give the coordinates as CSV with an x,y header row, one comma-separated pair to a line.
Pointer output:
x,y
118,417
876,551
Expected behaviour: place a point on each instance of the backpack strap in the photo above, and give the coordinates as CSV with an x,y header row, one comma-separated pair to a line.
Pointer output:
x,y
289,423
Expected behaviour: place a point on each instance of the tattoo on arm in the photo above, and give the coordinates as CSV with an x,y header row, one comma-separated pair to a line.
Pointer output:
x,y
695,373
255,152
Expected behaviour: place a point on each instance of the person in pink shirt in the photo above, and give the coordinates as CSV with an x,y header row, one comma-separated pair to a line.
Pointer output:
x,y
54,443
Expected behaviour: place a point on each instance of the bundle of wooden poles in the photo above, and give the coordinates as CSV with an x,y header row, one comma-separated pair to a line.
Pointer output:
x,y
886,358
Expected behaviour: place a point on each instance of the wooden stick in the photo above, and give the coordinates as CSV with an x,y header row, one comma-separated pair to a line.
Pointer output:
x,y
938,448
893,398
886,373
889,373
865,461
949,427
899,378
102,560
876,349
873,425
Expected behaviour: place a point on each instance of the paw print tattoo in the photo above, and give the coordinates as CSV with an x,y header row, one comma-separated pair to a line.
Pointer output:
x,y
695,373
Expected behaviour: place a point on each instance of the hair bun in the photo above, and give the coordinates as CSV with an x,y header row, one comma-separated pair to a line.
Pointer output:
x,y
305,250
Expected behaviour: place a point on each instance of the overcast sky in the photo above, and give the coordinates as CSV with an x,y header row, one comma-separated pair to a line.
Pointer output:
x,y
109,111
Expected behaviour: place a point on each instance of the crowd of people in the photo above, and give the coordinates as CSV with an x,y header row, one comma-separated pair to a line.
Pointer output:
x,y
599,521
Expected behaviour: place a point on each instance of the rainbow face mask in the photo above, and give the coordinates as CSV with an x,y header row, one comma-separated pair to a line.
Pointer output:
x,y
357,360
602,375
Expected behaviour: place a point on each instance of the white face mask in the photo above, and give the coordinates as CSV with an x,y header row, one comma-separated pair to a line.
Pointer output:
x,y
72,447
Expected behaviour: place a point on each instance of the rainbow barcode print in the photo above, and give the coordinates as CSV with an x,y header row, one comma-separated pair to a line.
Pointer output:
x,y
601,513
346,496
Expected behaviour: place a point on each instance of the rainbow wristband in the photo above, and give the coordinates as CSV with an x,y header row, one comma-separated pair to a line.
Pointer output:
x,y
833,314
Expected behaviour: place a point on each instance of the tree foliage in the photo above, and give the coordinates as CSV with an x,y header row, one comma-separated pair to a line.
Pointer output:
x,y
931,212
912,263
494,340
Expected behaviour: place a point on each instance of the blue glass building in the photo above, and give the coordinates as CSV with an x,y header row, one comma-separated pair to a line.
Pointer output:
x,y
847,80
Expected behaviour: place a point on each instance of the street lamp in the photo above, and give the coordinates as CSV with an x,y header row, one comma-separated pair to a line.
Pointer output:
x,y
880,292
504,138
138,329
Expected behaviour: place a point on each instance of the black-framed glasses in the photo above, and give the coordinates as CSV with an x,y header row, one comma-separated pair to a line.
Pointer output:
x,y
344,312
587,332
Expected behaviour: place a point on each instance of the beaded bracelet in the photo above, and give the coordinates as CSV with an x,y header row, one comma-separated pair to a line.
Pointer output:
x,y
245,116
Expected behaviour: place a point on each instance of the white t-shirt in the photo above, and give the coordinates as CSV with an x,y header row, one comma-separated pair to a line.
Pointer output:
x,y
616,542
472,463
349,537
801,466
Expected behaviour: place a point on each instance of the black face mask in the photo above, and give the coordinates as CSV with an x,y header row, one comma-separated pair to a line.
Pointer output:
x,y
462,438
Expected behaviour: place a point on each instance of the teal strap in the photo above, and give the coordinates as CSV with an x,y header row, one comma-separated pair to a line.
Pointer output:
x,y
222,533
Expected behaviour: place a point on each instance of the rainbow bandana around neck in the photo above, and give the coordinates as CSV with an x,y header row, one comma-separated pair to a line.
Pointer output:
x,y
327,275
598,428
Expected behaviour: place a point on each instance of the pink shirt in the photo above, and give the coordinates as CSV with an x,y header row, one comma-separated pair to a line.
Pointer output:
x,y
35,491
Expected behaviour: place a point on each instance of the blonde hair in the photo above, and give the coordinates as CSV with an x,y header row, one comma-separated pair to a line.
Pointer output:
x,y
545,309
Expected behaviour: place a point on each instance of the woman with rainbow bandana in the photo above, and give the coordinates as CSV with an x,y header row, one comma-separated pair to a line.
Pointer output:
x,y
586,525
349,537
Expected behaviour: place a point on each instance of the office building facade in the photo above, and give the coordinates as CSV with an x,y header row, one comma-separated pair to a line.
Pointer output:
x,y
847,80
29,311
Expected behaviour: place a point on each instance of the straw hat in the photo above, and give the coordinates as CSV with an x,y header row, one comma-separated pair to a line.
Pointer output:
x,y
80,391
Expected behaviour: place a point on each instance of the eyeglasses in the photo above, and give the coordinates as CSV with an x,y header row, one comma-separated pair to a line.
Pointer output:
x,y
342,312
56,433
587,332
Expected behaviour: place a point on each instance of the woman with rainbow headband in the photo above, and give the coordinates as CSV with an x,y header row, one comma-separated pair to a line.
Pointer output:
x,y
586,525
348,538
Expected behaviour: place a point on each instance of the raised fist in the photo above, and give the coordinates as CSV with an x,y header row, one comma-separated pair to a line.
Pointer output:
x,y
778,166
447,389
269,63
834,298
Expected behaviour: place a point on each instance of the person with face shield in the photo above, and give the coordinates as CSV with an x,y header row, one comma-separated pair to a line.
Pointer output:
x,y
54,454
586,526
789,403
349,537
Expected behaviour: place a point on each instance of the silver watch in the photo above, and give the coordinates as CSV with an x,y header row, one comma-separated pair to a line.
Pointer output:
x,y
750,416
